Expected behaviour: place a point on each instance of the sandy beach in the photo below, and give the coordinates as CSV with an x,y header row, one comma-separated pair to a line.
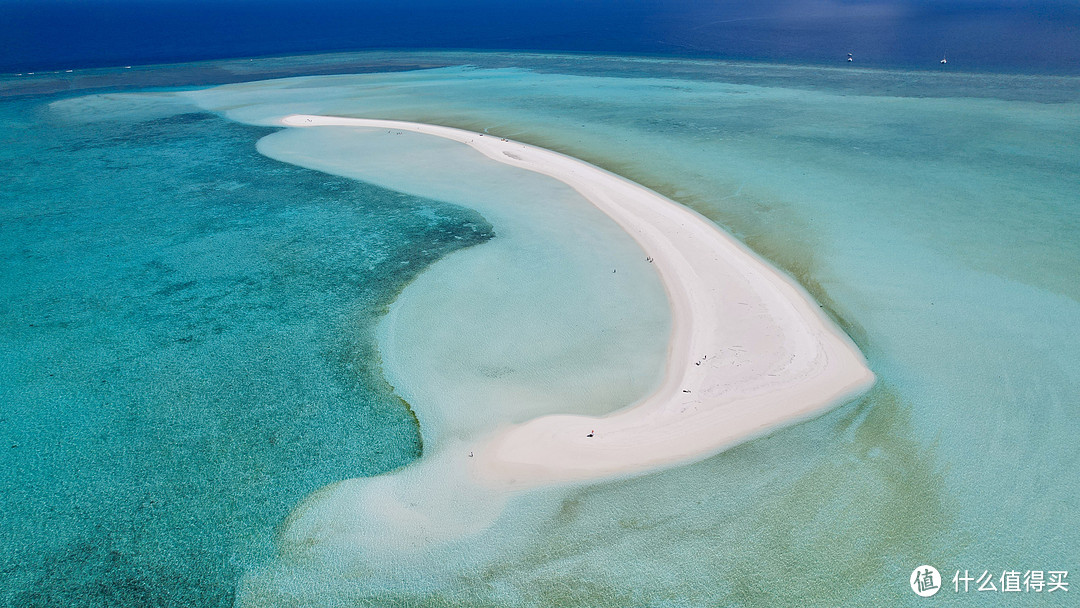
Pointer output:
x,y
750,351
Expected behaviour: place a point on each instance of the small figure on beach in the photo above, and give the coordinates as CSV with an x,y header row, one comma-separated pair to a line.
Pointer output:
x,y
649,260
470,454
590,433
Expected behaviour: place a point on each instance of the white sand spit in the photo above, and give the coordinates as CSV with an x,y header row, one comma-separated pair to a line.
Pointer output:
x,y
750,351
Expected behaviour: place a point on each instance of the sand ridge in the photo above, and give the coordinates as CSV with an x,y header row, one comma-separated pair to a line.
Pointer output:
x,y
750,351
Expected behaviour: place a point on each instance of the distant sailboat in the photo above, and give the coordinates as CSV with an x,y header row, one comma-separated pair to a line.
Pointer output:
x,y
943,59
849,58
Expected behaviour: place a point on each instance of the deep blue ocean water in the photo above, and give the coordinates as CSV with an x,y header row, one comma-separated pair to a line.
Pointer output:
x,y
992,35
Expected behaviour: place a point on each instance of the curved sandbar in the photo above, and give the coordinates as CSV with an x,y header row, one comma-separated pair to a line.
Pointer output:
x,y
749,352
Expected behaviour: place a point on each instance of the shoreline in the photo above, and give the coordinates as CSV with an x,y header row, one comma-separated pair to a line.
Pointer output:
x,y
749,352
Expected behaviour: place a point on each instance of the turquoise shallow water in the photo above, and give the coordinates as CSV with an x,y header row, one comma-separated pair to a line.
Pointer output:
x,y
187,350
936,217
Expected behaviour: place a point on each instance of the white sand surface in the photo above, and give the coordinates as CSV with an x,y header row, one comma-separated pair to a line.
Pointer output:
x,y
750,351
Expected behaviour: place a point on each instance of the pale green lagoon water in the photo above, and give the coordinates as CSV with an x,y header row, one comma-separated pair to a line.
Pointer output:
x,y
192,336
